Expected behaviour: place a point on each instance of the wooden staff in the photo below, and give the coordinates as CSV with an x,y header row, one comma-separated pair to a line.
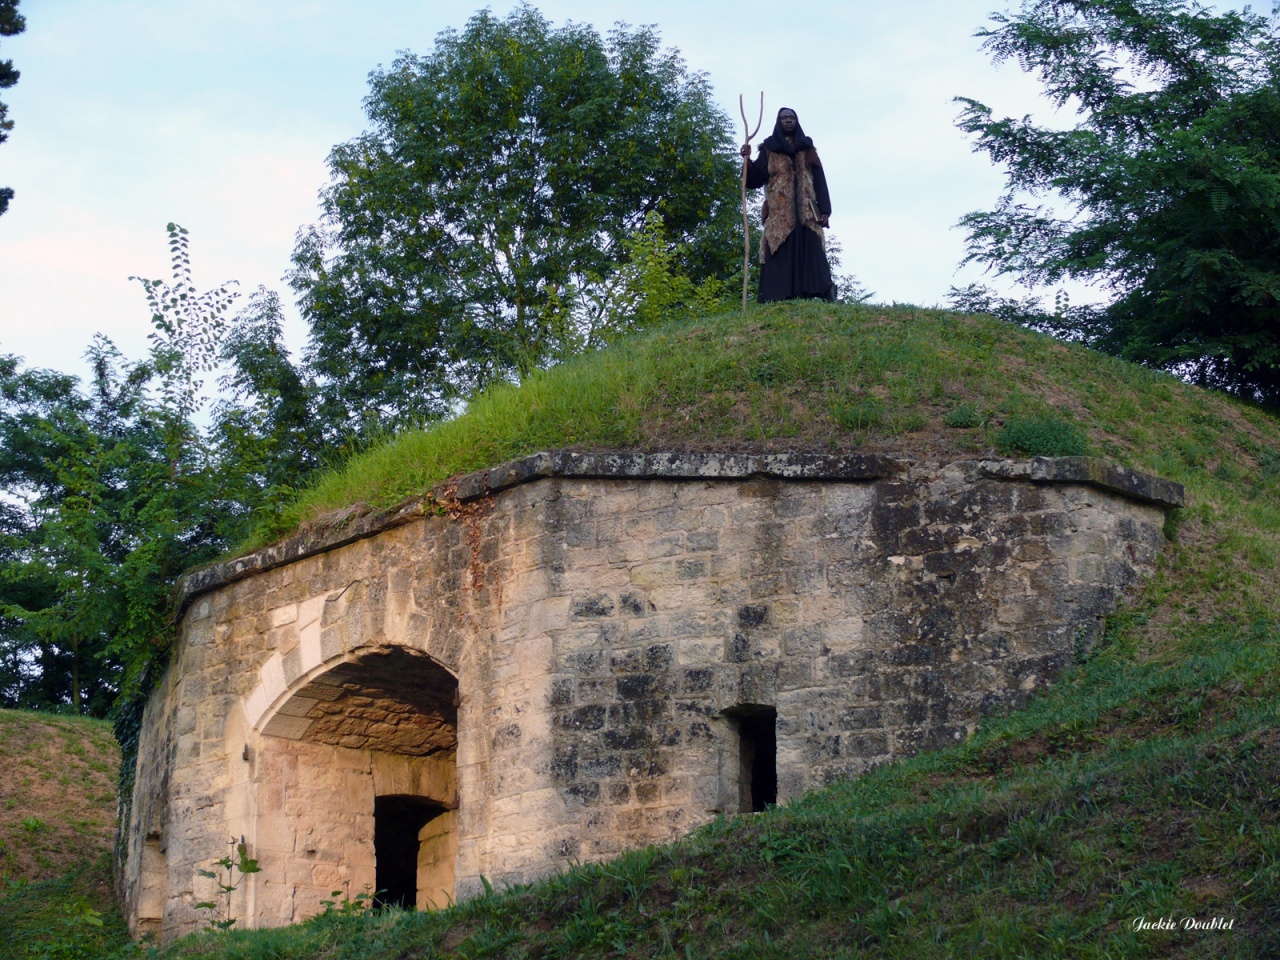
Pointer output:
x,y
746,226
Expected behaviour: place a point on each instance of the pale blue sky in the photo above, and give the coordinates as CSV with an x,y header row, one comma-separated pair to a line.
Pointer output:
x,y
219,114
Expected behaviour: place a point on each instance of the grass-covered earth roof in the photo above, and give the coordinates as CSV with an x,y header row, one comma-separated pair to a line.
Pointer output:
x,y
926,384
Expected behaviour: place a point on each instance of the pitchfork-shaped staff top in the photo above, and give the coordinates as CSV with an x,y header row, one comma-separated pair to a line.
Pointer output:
x,y
746,226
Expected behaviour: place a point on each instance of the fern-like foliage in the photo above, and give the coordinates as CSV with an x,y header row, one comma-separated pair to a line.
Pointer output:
x,y
1166,192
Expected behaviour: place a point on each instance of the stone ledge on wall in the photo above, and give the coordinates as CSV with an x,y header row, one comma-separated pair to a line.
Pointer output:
x,y
356,524
1134,484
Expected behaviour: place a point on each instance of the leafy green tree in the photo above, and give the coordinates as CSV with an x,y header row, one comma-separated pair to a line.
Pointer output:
x,y
468,235
112,490
65,455
647,287
11,23
266,423
1166,192
180,503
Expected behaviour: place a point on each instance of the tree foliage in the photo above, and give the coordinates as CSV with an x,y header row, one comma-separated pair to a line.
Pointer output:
x,y
266,421
44,661
72,466
11,23
472,233
1168,186
113,489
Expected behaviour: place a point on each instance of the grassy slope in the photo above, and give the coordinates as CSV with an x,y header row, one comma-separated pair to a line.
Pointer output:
x,y
1144,784
807,377
791,378
57,825
57,793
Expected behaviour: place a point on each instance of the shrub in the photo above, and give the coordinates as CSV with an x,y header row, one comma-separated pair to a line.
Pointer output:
x,y
864,414
1043,436
965,416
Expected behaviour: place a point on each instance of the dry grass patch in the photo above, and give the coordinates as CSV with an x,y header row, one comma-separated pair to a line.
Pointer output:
x,y
58,794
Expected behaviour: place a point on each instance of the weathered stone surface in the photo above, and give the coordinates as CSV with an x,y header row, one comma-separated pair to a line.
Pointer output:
x,y
565,666
1090,470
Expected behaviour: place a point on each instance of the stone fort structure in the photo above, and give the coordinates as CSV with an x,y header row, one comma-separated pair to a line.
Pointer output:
x,y
574,654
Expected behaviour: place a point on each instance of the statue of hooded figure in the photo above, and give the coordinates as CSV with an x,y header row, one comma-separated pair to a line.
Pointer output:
x,y
796,208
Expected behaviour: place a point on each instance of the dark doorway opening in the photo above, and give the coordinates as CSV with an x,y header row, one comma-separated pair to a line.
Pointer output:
x,y
757,757
397,821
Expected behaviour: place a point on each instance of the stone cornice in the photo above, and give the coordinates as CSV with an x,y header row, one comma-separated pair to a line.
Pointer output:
x,y
355,525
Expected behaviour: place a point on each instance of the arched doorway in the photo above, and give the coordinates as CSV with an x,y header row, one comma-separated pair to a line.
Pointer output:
x,y
361,760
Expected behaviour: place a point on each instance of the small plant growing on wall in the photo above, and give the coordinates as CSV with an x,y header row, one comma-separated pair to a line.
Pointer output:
x,y
345,912
348,907
238,860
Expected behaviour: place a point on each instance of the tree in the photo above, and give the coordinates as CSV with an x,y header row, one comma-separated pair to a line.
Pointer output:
x,y
42,415
112,490
66,457
11,23
467,236
266,424
1170,182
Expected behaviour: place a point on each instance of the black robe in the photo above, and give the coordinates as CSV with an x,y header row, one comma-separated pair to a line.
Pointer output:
x,y
798,268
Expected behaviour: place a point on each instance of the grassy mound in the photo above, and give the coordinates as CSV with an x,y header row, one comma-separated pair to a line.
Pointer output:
x,y
929,384
1145,784
57,827
57,794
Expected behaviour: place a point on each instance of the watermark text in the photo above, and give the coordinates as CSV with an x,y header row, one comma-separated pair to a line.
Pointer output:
x,y
1183,923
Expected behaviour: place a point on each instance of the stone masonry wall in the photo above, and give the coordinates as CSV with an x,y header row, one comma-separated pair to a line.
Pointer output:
x,y
562,660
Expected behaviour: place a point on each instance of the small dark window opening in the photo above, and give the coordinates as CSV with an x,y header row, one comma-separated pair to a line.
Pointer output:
x,y
757,758
396,823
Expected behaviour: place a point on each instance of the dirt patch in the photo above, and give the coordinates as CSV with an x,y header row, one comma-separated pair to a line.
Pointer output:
x,y
57,793
333,520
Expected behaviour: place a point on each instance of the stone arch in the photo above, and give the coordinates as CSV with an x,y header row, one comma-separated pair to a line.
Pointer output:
x,y
391,699
350,748
363,618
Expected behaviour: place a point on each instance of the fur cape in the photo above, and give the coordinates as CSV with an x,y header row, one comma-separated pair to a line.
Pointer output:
x,y
789,175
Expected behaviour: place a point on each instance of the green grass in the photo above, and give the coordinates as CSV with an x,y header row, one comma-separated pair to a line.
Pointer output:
x,y
1042,436
57,823
66,917
57,797
797,377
